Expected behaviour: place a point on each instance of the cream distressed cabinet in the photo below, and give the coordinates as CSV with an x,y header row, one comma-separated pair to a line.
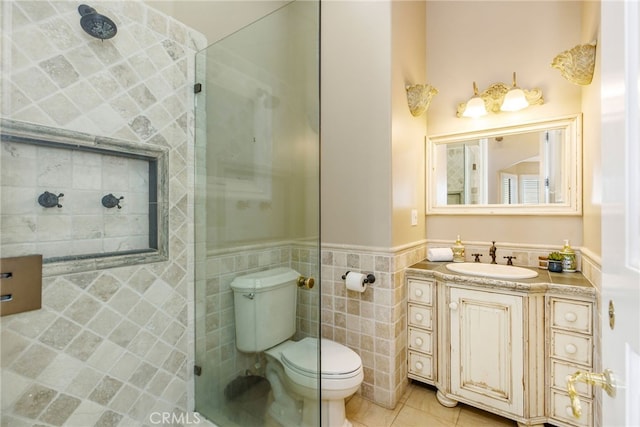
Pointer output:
x,y
504,347
571,345
487,346
421,315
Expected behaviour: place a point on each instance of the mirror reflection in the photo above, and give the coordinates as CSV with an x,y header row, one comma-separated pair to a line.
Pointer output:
x,y
531,166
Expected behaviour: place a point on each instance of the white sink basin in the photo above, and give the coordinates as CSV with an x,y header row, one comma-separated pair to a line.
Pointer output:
x,y
496,271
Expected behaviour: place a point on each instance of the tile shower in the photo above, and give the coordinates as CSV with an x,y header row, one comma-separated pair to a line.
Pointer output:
x,y
109,346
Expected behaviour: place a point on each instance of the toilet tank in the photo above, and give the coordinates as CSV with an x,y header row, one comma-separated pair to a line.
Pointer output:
x,y
265,308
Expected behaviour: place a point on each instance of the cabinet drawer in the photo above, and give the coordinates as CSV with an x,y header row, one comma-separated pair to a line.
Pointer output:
x,y
420,364
420,291
571,347
420,340
561,410
571,315
559,373
420,316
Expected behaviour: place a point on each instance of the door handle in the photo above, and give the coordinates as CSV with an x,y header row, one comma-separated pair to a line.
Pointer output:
x,y
306,282
604,380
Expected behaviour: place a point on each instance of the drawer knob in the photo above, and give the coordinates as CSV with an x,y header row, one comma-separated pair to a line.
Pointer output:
x,y
453,305
568,411
419,342
570,349
419,366
418,292
419,317
570,317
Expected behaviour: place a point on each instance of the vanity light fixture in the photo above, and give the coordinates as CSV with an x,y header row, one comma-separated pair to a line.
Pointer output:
x,y
419,97
497,98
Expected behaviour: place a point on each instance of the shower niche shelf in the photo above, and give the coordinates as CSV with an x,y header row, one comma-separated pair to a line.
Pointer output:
x,y
85,234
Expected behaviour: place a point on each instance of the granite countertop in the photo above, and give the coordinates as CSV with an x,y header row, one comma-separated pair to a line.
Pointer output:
x,y
562,283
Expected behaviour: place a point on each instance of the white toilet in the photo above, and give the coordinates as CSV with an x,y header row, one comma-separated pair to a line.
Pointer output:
x,y
265,312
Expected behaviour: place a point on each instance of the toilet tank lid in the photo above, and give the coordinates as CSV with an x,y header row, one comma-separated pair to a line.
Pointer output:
x,y
265,279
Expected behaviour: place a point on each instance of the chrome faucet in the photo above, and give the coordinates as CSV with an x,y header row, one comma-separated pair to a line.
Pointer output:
x,y
492,252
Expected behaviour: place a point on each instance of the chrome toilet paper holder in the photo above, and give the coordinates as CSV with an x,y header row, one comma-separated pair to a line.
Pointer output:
x,y
369,279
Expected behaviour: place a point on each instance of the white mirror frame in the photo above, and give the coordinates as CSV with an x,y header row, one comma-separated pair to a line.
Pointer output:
x,y
572,163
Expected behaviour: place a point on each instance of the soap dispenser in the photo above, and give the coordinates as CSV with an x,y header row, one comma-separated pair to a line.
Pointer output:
x,y
569,263
458,251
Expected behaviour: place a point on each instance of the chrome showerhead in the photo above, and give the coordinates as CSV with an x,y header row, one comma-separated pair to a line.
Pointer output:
x,y
96,25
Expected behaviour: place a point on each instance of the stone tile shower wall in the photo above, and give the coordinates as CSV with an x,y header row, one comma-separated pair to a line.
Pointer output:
x,y
108,347
82,225
372,323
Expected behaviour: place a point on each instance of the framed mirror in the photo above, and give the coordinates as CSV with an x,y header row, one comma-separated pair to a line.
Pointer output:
x,y
533,168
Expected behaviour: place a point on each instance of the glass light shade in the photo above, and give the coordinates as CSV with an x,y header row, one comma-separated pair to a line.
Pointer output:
x,y
514,100
475,108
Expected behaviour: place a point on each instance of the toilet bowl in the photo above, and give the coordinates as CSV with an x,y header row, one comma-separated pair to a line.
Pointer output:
x,y
340,376
265,320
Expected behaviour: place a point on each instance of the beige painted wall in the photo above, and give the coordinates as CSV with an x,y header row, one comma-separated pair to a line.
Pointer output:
x,y
355,123
485,42
372,147
408,62
592,173
216,19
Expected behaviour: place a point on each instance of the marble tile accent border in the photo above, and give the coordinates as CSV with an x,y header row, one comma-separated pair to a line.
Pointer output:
x,y
372,323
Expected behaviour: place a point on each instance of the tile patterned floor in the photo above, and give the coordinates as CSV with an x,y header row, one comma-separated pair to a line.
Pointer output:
x,y
420,408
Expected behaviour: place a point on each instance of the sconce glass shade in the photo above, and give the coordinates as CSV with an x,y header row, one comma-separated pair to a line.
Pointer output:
x,y
475,108
515,99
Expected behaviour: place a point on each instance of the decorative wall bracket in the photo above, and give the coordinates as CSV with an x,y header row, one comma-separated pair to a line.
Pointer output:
x,y
577,64
494,95
419,97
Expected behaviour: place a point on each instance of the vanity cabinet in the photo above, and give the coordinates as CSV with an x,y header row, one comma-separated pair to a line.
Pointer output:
x,y
505,347
420,312
570,337
486,333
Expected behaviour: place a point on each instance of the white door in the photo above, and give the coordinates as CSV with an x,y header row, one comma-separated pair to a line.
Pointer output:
x,y
620,52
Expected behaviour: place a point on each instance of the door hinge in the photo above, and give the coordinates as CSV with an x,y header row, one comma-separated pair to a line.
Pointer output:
x,y
197,88
197,370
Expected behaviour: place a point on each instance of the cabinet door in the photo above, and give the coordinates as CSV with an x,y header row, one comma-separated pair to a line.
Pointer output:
x,y
487,348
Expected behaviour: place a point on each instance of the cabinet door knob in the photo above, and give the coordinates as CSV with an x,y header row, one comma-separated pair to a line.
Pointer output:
x,y
570,349
570,317
419,342
453,305
419,317
419,366
418,292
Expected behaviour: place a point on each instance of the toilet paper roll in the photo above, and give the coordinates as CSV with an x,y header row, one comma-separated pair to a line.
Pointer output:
x,y
356,281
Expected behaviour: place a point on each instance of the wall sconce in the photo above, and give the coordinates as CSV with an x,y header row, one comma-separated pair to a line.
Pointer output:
x,y
419,98
499,97
577,64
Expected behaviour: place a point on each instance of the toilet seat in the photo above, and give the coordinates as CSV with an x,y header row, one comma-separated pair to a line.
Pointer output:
x,y
337,361
341,367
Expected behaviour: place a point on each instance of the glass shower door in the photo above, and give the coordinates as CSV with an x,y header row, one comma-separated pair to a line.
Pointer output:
x,y
257,196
